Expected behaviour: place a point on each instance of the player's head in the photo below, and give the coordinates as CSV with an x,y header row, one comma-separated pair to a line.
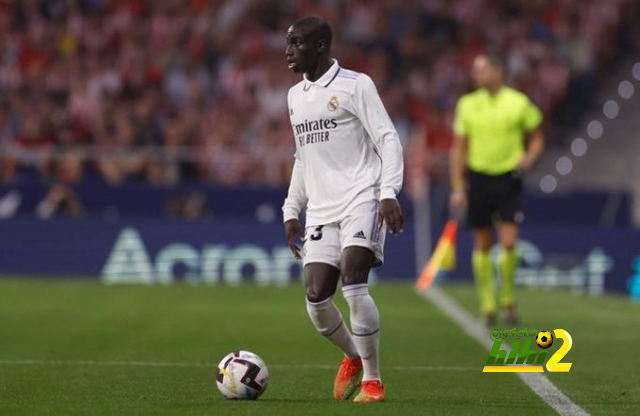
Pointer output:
x,y
308,41
488,70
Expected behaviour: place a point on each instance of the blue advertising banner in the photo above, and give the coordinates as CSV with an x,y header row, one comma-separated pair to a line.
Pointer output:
x,y
586,260
162,251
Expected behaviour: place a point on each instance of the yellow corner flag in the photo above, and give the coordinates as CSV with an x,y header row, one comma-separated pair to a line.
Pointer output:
x,y
443,258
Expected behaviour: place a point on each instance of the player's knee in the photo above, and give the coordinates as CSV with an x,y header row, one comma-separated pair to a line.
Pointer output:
x,y
355,274
508,245
317,295
482,241
355,265
482,248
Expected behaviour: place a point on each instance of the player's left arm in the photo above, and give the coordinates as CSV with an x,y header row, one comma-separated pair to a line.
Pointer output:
x,y
532,121
374,117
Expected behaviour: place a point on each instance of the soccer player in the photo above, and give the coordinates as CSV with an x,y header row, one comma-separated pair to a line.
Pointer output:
x,y
347,173
498,138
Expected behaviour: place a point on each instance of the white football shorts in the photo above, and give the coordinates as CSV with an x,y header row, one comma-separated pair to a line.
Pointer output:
x,y
325,243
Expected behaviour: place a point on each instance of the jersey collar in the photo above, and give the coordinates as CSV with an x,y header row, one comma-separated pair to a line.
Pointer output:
x,y
487,94
326,78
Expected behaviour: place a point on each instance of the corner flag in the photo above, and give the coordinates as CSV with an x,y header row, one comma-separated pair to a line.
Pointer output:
x,y
443,258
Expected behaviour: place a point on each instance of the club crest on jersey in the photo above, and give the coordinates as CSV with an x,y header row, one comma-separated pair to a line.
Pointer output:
x,y
333,103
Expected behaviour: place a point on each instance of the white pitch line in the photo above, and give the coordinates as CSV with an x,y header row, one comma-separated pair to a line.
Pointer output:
x,y
537,382
103,363
179,364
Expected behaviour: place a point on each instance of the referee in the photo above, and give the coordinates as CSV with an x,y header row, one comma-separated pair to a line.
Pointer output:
x,y
497,139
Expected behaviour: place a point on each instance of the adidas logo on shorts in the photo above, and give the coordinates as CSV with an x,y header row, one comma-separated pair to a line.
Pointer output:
x,y
360,234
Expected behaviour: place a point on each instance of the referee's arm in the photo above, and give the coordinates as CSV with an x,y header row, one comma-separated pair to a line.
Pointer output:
x,y
457,163
534,146
458,159
534,138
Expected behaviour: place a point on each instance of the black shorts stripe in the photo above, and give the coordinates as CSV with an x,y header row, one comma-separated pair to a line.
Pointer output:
x,y
375,230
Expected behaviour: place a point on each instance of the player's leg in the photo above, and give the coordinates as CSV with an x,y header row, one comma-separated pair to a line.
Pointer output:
x,y
365,320
321,276
509,209
484,274
321,281
481,207
362,240
508,263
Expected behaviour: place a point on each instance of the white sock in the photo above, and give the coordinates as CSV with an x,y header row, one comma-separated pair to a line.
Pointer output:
x,y
365,325
328,321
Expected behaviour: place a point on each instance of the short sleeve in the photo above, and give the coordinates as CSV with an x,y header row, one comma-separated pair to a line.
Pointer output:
x,y
532,116
459,122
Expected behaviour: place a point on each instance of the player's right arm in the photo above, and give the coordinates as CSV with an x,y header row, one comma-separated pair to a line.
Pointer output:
x,y
296,200
458,161
293,205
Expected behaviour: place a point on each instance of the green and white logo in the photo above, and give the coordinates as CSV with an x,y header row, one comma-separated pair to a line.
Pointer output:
x,y
523,358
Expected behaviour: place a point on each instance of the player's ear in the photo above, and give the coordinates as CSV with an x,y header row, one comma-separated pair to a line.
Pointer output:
x,y
321,45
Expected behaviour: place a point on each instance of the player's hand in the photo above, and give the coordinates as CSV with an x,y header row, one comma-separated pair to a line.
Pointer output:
x,y
391,213
293,231
457,201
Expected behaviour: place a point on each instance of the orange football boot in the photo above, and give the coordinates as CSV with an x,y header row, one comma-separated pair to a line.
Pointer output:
x,y
371,391
347,379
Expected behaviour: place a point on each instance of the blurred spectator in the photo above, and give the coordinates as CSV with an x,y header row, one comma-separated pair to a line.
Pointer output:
x,y
8,165
61,200
166,91
190,206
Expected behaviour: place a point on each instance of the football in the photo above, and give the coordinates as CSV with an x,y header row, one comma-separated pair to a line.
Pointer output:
x,y
242,375
544,339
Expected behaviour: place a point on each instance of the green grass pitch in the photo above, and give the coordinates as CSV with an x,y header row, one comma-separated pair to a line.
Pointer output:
x,y
82,348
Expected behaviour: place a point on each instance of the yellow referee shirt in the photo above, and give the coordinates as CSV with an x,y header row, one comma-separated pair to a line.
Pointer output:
x,y
495,127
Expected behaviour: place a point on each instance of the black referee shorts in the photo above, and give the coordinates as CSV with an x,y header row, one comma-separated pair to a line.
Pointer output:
x,y
493,199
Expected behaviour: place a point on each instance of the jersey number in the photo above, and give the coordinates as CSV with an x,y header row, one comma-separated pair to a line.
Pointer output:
x,y
317,233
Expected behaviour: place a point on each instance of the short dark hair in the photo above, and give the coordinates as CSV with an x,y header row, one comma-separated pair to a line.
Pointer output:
x,y
316,25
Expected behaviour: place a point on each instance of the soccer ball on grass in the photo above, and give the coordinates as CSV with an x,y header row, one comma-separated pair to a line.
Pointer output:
x,y
242,375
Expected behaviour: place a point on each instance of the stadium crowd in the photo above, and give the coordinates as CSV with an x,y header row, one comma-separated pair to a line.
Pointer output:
x,y
164,91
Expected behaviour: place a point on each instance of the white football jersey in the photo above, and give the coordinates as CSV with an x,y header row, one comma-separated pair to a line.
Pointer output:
x,y
347,149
